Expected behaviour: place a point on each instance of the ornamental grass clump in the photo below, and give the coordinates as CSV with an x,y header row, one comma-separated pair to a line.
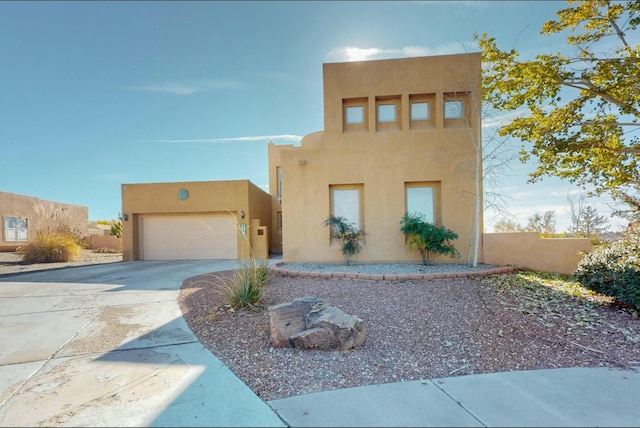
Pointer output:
x,y
58,237
245,287
50,248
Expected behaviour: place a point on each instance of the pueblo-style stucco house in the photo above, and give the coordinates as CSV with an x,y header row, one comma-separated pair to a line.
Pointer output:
x,y
23,215
400,135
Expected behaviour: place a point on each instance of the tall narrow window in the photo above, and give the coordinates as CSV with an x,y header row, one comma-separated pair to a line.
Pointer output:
x,y
16,229
346,201
279,178
422,198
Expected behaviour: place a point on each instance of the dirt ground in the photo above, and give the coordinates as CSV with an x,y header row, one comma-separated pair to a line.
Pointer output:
x,y
11,262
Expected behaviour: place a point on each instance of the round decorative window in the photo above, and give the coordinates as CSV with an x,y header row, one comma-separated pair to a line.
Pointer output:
x,y
183,194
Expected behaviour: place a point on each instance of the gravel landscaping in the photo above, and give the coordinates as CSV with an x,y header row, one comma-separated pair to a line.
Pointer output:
x,y
416,329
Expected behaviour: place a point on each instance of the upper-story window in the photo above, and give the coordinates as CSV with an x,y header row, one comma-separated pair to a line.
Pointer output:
x,y
420,113
388,112
456,109
453,109
355,116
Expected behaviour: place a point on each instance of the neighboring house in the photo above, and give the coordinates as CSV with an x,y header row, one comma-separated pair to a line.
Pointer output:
x,y
399,135
23,215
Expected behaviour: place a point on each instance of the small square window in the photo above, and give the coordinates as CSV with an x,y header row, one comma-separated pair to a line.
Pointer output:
x,y
387,113
453,109
354,114
420,111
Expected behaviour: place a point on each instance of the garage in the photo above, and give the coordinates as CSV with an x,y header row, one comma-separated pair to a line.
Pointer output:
x,y
184,237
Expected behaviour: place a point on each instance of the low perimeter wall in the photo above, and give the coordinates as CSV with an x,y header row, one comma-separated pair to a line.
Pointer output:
x,y
98,241
527,250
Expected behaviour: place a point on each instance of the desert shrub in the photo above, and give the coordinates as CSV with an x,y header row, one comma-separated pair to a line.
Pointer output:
x,y
51,247
245,287
106,250
116,227
613,268
347,234
429,239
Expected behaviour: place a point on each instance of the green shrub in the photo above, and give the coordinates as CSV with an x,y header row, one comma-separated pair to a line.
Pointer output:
x,y
245,288
429,239
347,234
51,247
613,268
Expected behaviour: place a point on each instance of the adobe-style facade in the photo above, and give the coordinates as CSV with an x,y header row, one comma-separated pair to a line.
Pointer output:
x,y
23,215
195,220
400,135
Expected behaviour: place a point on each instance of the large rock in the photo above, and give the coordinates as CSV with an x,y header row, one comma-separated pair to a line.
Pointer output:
x,y
309,323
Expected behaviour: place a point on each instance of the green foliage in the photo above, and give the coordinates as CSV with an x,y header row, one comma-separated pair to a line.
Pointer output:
x,y
51,247
430,240
347,234
613,268
245,288
576,111
116,227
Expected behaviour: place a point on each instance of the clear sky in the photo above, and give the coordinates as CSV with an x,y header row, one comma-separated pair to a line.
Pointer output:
x,y
95,94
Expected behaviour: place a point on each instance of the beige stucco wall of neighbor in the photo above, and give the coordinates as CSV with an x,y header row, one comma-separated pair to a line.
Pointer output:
x,y
231,196
14,205
382,159
95,242
526,249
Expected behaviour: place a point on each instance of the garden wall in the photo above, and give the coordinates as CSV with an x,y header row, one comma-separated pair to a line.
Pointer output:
x,y
98,241
526,249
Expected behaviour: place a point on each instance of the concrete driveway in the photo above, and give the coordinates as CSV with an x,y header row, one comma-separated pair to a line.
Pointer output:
x,y
61,366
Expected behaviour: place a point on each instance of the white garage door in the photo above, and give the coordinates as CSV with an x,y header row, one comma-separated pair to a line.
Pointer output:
x,y
188,237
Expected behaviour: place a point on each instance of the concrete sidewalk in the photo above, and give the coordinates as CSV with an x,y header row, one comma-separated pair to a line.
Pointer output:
x,y
574,397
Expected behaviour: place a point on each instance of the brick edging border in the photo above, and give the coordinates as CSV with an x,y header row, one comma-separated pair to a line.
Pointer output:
x,y
279,271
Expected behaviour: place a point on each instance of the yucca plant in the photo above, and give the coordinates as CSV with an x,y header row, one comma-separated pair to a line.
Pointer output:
x,y
245,288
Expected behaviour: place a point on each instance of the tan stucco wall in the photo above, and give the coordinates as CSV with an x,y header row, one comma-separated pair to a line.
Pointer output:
x,y
526,249
231,196
381,160
14,205
103,241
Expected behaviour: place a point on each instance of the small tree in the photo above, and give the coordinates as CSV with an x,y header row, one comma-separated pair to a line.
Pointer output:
x,y
116,227
430,240
543,224
347,234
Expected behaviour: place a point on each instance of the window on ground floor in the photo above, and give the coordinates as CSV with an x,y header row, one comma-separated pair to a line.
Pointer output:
x,y
16,229
423,198
346,201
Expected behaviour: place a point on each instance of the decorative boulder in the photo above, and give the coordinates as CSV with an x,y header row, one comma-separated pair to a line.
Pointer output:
x,y
309,323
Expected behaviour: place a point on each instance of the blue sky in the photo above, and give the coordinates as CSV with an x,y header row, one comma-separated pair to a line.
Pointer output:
x,y
95,94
